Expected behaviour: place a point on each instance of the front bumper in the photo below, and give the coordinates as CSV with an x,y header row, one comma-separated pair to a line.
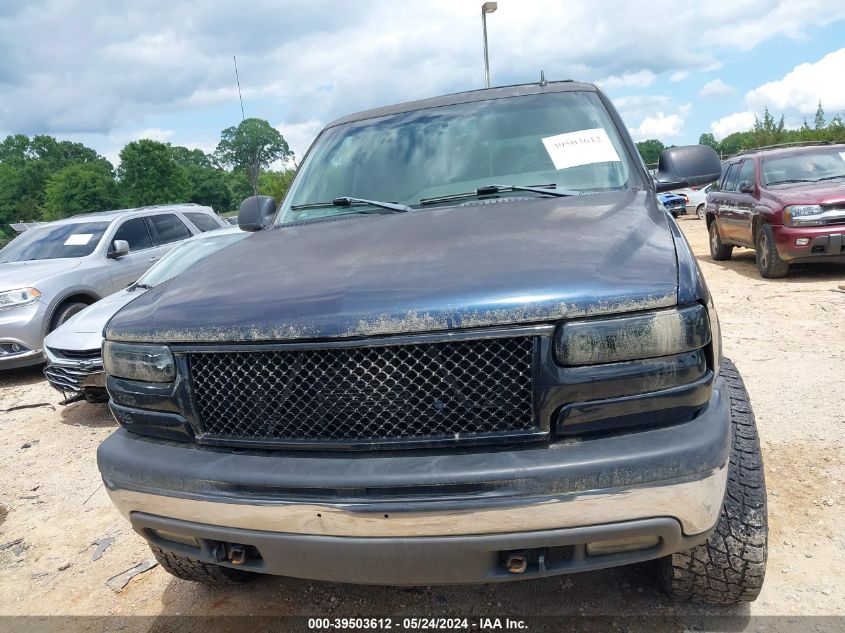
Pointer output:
x,y
825,242
74,376
22,327
431,516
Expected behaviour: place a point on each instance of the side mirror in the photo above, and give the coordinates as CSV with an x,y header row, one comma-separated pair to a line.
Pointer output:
x,y
120,248
746,186
256,212
686,166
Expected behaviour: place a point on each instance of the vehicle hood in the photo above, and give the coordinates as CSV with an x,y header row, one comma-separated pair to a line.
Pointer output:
x,y
809,193
484,264
24,274
84,330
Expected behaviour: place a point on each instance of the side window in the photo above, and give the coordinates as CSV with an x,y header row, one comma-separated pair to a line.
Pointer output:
x,y
746,172
169,228
202,221
729,181
135,232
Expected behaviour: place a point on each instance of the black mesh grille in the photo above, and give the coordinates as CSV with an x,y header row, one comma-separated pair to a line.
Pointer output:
x,y
403,392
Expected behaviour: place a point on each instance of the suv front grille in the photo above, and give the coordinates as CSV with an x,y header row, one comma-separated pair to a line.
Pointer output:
x,y
447,391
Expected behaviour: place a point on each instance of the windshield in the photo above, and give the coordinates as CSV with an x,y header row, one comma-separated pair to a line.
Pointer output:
x,y
54,242
562,138
822,163
186,255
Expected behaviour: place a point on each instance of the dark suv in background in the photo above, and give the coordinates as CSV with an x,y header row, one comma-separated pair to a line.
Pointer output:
x,y
786,202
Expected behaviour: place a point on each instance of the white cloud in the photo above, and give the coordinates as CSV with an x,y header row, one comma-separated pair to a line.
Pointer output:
x,y
154,134
659,126
121,66
716,88
640,79
300,135
804,86
736,122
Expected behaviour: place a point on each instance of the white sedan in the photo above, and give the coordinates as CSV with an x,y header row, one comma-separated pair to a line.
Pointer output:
x,y
74,359
696,199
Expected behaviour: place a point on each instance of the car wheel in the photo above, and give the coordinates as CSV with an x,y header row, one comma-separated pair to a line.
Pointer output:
x,y
699,211
730,566
769,263
66,311
718,251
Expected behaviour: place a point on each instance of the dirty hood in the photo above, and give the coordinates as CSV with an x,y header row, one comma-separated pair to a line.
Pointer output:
x,y
518,261
24,274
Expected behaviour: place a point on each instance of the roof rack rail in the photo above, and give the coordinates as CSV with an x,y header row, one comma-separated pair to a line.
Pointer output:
x,y
779,145
164,205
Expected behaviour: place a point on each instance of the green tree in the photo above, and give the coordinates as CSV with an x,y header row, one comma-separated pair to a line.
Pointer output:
x,y
196,157
819,118
650,150
252,146
276,183
149,175
80,188
208,186
708,139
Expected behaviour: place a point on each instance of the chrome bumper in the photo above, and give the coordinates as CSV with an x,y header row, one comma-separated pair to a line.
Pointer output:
x,y
694,504
73,375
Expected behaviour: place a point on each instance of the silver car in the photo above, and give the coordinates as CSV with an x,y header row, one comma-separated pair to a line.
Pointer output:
x,y
75,363
52,271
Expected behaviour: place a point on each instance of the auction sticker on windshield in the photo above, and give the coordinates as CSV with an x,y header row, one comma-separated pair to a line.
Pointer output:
x,y
78,239
580,148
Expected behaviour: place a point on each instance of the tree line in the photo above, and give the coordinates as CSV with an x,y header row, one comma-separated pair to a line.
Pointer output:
x,y
765,131
42,178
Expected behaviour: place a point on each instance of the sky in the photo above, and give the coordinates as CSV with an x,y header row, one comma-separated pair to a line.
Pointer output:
x,y
108,72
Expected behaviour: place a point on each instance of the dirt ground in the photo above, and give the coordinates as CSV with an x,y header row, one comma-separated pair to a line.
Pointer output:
x,y
787,337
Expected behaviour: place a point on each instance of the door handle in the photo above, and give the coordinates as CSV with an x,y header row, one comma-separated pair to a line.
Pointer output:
x,y
152,259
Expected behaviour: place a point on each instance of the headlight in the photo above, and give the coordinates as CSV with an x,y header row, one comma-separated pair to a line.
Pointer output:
x,y
632,337
19,297
802,214
150,363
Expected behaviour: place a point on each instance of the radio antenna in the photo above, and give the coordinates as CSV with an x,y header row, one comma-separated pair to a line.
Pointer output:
x,y
238,80
243,118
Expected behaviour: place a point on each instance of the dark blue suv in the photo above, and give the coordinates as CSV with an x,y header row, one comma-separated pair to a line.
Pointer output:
x,y
469,346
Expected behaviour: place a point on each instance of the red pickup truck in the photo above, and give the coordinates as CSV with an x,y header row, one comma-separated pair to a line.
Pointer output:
x,y
785,202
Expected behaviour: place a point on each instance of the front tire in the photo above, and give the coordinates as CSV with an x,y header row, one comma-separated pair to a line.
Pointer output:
x,y
197,571
730,566
769,263
66,311
699,211
718,252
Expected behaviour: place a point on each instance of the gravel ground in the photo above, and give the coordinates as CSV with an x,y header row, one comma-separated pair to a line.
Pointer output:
x,y
786,337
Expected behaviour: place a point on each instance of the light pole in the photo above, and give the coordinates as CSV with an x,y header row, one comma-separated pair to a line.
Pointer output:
x,y
487,7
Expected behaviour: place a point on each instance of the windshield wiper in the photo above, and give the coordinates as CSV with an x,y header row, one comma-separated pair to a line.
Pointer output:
x,y
346,201
788,180
489,190
830,178
143,286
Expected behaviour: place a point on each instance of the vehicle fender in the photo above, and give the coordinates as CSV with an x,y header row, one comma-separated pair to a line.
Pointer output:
x,y
691,284
80,289
760,214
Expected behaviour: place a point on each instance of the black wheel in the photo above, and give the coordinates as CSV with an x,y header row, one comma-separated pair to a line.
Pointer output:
x,y
699,211
729,567
65,311
718,251
196,571
769,263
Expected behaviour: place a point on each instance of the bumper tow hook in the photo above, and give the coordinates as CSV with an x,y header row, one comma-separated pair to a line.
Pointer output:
x,y
516,562
237,554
